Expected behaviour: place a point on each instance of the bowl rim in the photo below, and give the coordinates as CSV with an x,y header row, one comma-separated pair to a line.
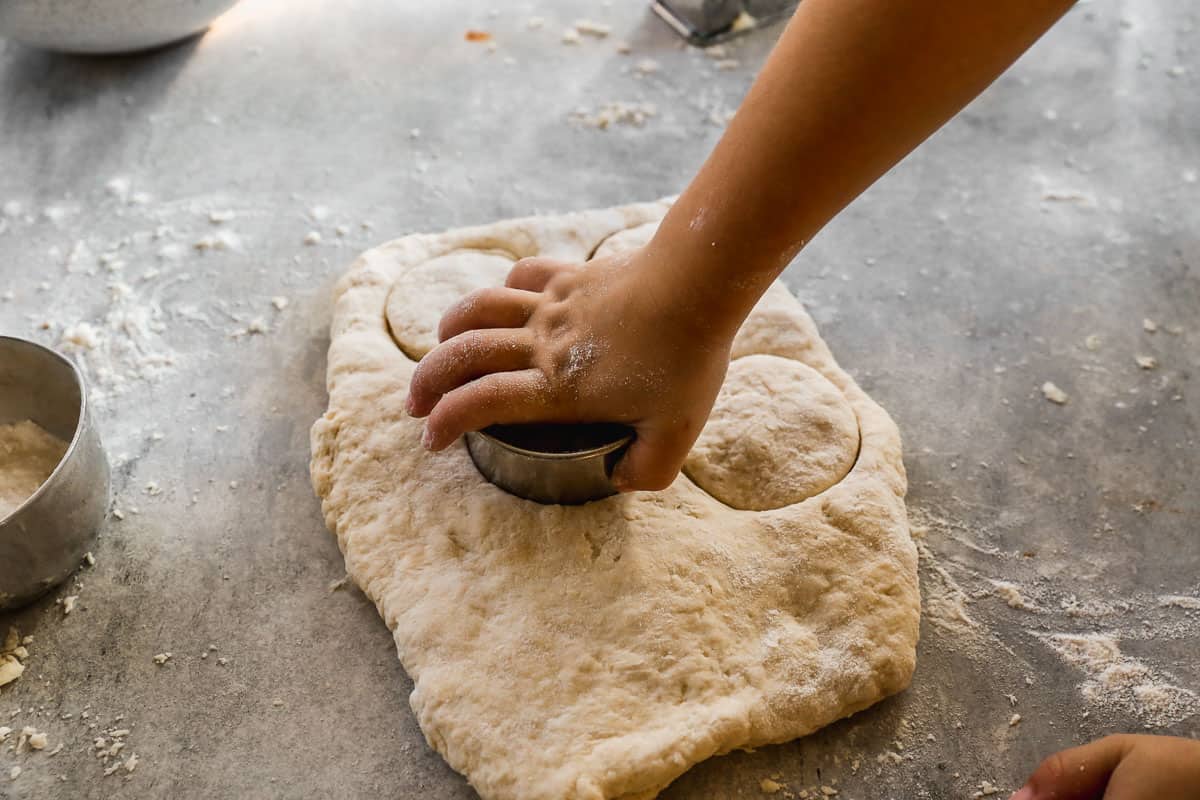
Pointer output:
x,y
73,445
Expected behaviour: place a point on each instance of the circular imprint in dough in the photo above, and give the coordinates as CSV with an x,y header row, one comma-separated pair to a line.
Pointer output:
x,y
421,295
779,433
626,240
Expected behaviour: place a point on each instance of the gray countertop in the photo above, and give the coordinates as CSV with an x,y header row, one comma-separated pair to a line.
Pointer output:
x,y
1025,243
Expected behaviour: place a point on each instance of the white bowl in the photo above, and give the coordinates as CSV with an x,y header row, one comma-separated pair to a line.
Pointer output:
x,y
106,26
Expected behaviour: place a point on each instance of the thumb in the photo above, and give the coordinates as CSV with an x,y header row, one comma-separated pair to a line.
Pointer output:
x,y
1080,773
652,462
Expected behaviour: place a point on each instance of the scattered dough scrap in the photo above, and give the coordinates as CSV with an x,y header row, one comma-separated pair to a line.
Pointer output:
x,y
1055,394
596,652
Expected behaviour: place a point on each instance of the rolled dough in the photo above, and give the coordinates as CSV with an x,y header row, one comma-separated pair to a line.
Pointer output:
x,y
598,651
28,455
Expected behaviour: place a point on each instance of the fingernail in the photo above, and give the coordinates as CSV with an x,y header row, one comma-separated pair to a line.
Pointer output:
x,y
1024,793
408,403
426,437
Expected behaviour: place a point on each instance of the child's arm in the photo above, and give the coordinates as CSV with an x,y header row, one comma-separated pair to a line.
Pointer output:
x,y
850,89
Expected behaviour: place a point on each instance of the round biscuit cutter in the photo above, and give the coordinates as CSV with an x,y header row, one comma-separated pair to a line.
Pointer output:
x,y
553,464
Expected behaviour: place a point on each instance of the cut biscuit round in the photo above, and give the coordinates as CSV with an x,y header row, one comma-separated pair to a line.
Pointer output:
x,y
778,434
421,295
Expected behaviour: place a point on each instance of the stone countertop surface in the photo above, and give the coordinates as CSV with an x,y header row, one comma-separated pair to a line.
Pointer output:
x,y
159,210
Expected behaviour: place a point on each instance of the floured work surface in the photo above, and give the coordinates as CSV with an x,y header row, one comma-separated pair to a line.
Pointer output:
x,y
599,651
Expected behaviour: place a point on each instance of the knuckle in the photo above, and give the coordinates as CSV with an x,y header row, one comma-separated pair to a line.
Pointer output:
x,y
523,268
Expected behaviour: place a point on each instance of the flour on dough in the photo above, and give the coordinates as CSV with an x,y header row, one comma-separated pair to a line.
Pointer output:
x,y
596,652
779,433
28,454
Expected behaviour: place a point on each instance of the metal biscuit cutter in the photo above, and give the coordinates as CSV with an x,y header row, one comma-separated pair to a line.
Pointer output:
x,y
548,463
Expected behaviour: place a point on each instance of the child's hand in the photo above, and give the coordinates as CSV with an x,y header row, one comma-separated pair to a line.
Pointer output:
x,y
1123,767
614,340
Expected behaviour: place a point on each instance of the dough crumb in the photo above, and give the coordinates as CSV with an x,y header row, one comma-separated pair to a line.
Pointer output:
x,y
14,773
219,217
1149,325
221,240
80,336
10,669
1092,342
68,603
162,658
986,789
1147,362
1014,721
280,303
768,786
1010,593
615,113
571,36
37,741
597,30
1055,394
312,238
535,23
119,187
647,66
12,654
89,559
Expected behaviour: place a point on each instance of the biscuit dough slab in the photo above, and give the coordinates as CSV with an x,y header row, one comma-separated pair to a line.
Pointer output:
x,y
598,651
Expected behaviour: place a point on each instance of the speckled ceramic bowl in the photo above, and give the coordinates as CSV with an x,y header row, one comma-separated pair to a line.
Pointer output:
x,y
106,26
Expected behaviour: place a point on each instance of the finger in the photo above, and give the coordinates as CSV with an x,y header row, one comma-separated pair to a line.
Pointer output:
x,y
532,274
1080,773
495,307
499,398
652,462
464,358
1157,766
